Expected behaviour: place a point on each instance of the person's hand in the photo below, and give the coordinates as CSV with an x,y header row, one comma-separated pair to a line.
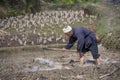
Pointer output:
x,y
64,49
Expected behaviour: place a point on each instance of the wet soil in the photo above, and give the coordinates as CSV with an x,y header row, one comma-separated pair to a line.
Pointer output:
x,y
57,65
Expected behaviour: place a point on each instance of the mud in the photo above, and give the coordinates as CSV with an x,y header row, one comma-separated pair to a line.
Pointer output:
x,y
57,65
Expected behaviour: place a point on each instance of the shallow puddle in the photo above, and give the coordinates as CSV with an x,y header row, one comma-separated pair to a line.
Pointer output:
x,y
47,64
44,65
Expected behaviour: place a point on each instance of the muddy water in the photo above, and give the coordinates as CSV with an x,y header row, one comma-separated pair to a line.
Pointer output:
x,y
46,65
25,65
51,65
36,61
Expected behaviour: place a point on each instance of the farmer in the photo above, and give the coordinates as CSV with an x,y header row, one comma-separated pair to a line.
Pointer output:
x,y
86,42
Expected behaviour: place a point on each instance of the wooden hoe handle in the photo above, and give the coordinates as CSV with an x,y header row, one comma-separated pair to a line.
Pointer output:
x,y
58,49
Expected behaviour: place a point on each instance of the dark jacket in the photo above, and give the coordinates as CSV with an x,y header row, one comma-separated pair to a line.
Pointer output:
x,y
84,37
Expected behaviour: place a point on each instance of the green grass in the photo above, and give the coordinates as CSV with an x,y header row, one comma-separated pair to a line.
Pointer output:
x,y
100,28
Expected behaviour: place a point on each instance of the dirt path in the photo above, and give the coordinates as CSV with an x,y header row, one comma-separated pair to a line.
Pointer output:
x,y
56,65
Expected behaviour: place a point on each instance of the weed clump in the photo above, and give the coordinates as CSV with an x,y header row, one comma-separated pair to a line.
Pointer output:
x,y
112,40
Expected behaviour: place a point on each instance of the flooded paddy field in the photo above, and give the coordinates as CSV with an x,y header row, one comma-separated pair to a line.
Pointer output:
x,y
57,65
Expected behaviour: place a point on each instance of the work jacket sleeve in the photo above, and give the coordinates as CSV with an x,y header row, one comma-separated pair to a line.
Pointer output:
x,y
70,43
